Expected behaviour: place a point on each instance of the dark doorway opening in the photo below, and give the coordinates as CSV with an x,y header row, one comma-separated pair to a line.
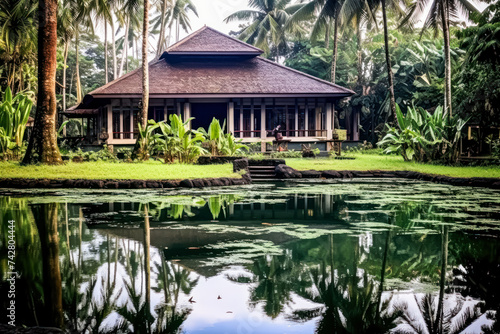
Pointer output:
x,y
203,114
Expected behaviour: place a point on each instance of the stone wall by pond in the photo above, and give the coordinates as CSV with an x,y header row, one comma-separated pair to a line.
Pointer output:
x,y
286,172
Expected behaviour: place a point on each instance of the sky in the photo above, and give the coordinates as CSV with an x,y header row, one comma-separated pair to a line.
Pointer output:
x,y
213,12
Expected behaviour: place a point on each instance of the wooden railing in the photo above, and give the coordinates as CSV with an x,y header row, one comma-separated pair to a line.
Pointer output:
x,y
284,133
125,135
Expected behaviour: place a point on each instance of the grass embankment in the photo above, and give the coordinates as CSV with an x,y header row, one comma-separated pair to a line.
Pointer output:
x,y
391,162
151,170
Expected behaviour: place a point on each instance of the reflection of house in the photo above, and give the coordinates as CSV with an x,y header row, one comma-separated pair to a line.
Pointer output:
x,y
209,74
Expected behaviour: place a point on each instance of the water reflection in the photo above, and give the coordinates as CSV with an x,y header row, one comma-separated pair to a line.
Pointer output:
x,y
303,258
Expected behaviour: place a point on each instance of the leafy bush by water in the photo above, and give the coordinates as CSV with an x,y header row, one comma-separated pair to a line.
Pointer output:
x,y
424,137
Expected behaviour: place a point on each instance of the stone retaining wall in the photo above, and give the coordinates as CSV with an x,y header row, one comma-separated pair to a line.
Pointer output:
x,y
121,184
286,172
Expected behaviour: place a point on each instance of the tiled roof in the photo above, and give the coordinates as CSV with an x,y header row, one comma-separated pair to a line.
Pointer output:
x,y
254,76
210,41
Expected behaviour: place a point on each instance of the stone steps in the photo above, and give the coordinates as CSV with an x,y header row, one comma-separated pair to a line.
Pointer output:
x,y
262,172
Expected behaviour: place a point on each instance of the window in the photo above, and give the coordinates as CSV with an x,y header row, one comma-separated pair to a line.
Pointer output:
x,y
311,121
302,121
136,127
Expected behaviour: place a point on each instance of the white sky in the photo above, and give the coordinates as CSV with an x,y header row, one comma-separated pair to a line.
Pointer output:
x,y
213,12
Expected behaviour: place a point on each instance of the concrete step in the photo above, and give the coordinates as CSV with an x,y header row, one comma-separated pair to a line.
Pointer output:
x,y
262,171
263,176
261,167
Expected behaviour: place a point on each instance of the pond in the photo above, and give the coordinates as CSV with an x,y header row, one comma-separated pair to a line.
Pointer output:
x,y
360,256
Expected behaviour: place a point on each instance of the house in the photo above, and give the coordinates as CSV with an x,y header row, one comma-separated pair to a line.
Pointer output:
x,y
209,74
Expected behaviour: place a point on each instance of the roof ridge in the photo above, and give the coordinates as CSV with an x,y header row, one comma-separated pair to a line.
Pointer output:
x,y
236,40
188,37
347,90
122,78
197,32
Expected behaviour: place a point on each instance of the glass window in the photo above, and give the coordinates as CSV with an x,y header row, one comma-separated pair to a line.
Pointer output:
x,y
302,121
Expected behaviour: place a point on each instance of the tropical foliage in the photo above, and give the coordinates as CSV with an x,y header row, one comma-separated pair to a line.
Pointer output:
x,y
422,136
220,143
14,114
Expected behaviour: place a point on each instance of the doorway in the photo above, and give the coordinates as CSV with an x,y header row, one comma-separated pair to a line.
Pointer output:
x,y
203,114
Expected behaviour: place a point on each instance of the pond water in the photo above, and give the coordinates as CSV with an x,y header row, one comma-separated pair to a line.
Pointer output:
x,y
363,256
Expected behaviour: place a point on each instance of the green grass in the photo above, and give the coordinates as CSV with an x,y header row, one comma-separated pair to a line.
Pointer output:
x,y
391,162
151,170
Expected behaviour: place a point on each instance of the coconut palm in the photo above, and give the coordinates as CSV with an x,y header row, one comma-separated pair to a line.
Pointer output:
x,y
268,24
43,144
438,16
324,12
172,14
18,36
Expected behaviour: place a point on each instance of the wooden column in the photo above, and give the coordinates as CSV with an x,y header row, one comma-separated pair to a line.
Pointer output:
x,y
329,119
121,119
187,113
296,119
252,119
263,131
110,123
131,118
241,118
230,117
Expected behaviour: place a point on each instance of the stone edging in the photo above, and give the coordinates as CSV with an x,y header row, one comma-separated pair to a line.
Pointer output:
x,y
286,172
121,184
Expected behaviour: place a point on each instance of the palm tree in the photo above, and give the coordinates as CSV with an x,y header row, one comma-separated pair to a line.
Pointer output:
x,y
65,26
18,34
439,15
125,15
143,115
43,143
324,11
269,19
46,220
102,10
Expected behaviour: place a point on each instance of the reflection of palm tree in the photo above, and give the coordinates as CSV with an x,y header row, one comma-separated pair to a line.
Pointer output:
x,y
436,319
273,275
46,220
352,303
171,280
453,321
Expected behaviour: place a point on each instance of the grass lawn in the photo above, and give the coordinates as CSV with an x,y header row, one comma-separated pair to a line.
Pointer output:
x,y
390,162
151,170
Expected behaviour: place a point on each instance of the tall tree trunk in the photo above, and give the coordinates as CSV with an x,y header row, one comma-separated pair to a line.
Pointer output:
x,y
125,45
143,119
79,95
328,29
390,76
334,56
106,74
43,143
447,57
359,54
161,38
442,281
126,48
46,221
66,51
113,47
147,265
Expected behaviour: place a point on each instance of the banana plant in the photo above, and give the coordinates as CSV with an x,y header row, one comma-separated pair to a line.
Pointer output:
x,y
147,138
14,114
220,143
424,137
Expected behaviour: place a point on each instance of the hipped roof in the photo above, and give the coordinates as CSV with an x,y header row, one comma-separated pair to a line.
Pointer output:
x,y
209,75
207,41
